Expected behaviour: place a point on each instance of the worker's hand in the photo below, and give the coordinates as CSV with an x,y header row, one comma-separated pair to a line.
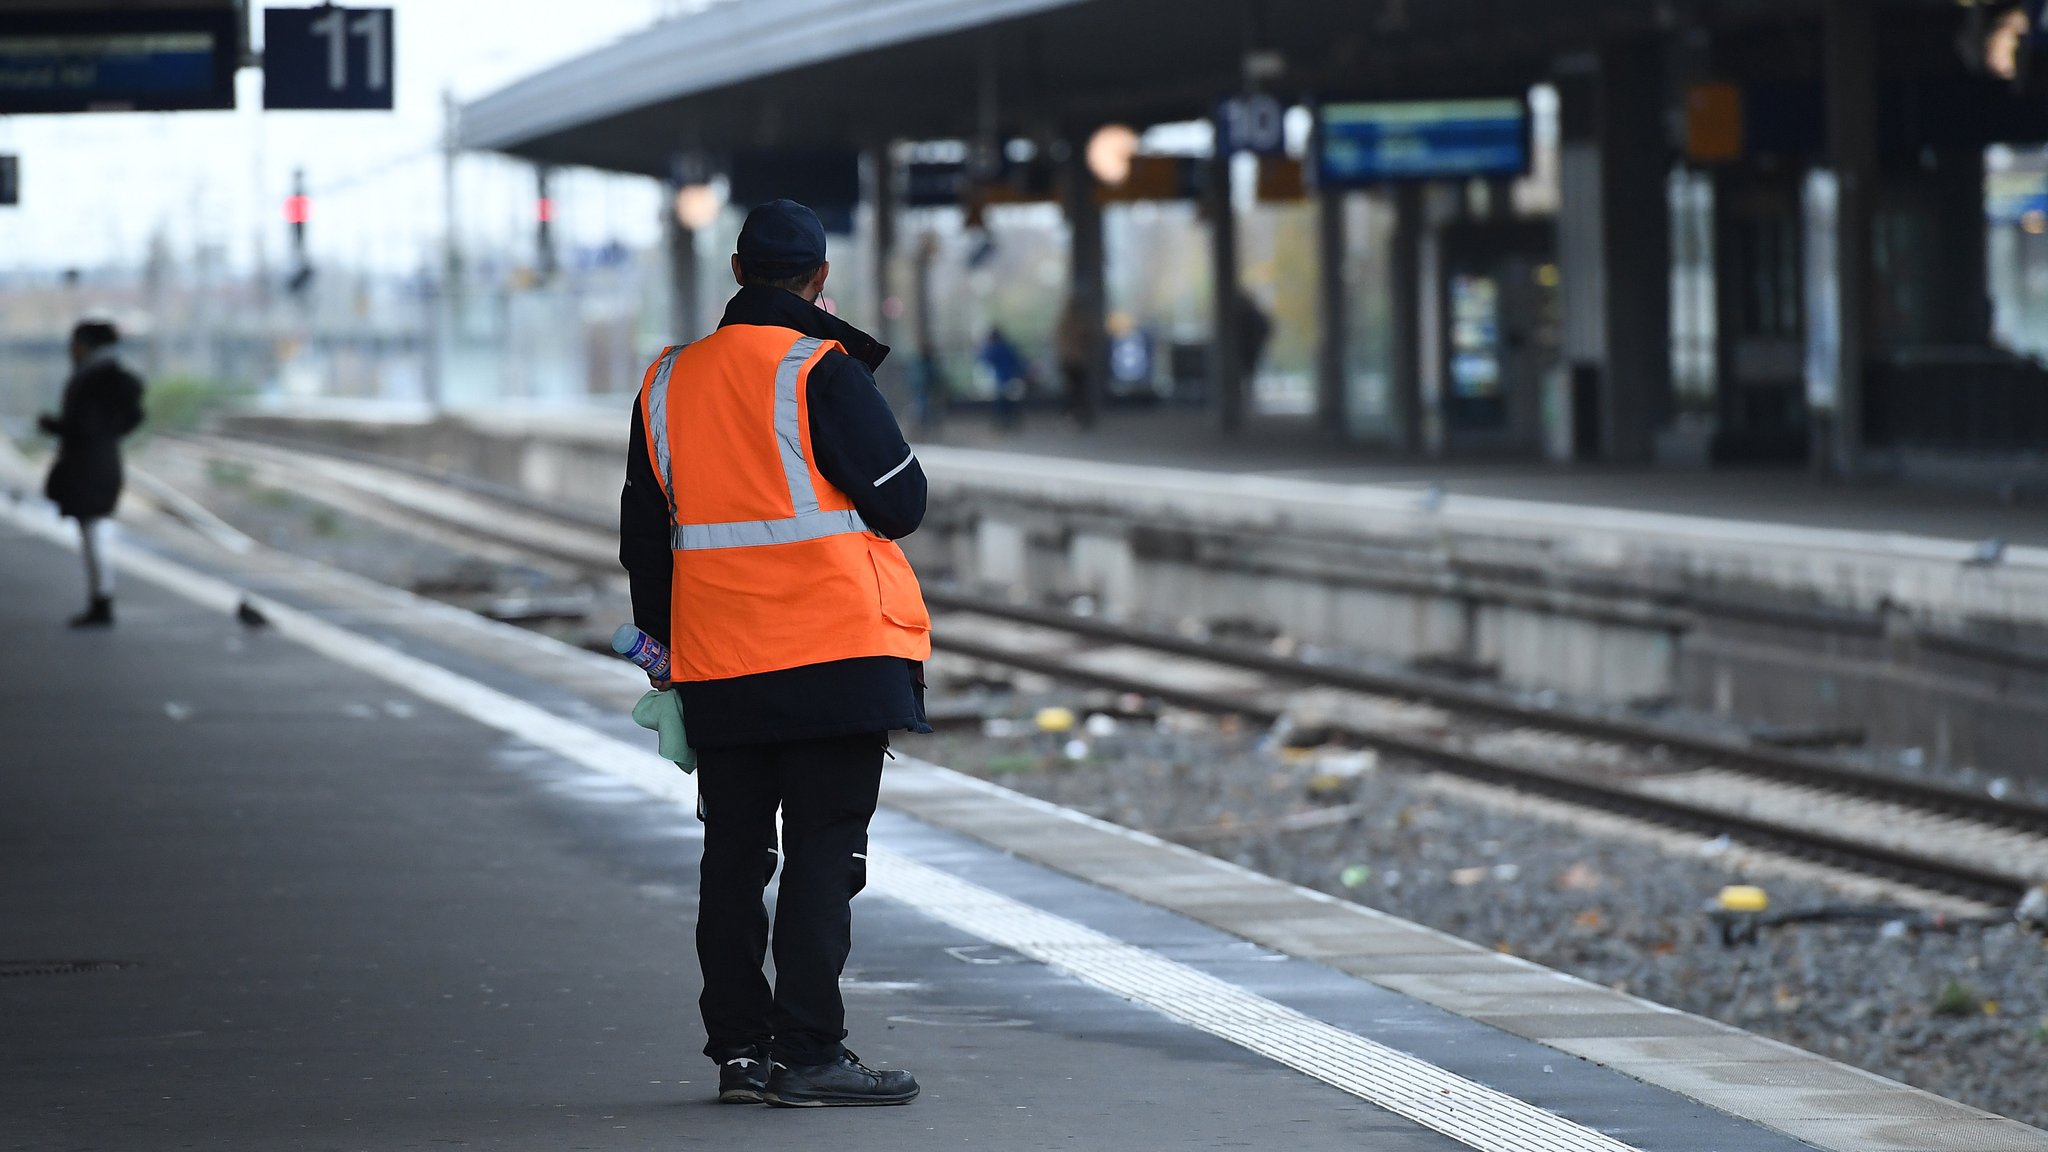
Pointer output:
x,y
659,685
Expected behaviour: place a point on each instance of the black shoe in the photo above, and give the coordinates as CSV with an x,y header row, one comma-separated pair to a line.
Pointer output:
x,y
843,1083
100,615
742,1077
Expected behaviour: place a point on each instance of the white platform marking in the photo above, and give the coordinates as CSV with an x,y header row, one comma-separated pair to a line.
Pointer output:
x,y
1469,1112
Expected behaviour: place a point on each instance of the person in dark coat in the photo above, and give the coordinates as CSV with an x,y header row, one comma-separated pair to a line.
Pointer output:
x,y
102,403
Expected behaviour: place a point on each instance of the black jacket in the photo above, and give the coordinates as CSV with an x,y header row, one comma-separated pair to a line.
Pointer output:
x,y
857,442
102,403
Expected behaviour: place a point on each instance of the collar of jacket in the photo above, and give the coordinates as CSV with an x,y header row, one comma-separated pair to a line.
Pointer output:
x,y
754,304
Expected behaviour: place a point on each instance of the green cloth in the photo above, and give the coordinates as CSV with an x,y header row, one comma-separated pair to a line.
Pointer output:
x,y
663,712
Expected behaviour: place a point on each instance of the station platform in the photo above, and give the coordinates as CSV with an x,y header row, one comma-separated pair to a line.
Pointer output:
x,y
379,874
1989,501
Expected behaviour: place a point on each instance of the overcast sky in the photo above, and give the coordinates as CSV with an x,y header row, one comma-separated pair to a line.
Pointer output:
x,y
97,187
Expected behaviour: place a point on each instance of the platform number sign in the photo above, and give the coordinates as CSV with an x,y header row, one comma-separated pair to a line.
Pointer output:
x,y
1254,123
327,57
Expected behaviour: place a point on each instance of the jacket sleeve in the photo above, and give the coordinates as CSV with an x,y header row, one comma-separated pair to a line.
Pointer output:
x,y
644,537
861,450
129,412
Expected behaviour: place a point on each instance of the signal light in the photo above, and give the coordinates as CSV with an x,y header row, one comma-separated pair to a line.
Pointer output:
x,y
298,209
544,210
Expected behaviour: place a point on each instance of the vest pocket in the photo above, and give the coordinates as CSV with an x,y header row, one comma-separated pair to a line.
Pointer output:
x,y
902,600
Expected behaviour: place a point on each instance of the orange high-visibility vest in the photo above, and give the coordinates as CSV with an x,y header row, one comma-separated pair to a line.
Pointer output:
x,y
774,568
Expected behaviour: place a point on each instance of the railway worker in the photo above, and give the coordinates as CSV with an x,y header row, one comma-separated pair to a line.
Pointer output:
x,y
765,488
102,404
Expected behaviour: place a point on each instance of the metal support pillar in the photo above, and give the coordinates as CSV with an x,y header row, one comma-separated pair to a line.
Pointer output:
x,y
1852,151
1614,251
1087,288
1330,311
1635,171
1226,345
881,171
930,411
686,310
1404,276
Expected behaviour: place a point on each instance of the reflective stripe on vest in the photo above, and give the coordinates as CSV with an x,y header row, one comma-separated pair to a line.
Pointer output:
x,y
657,425
809,522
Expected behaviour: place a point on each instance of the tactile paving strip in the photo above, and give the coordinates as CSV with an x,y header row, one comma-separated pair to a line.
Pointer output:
x,y
1462,1109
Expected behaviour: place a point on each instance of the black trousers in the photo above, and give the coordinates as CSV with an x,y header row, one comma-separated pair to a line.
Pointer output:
x,y
826,790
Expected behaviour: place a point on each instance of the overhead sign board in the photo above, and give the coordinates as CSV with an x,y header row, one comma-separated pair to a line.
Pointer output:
x,y
316,58
1255,123
1158,178
826,180
118,61
1367,144
935,184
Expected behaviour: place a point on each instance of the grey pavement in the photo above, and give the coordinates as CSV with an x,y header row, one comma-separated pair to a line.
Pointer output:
x,y
357,921
351,919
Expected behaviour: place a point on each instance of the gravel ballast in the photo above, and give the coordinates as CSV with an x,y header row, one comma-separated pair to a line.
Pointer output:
x,y
1963,1014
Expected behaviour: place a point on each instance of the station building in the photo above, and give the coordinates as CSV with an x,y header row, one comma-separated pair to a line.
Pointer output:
x,y
1764,238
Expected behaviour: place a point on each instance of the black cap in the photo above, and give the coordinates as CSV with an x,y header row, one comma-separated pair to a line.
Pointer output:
x,y
781,238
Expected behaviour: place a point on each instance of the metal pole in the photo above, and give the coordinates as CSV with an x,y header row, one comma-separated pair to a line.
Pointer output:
x,y
1088,293
882,199
1404,273
685,303
1226,360
1330,299
1852,148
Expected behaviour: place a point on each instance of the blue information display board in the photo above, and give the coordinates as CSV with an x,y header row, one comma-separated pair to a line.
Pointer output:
x,y
1367,144
118,61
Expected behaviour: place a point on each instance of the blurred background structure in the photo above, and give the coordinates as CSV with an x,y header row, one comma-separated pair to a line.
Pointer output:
x,y
1680,233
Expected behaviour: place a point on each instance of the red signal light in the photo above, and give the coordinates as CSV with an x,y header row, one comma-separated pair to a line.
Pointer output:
x,y
298,209
544,210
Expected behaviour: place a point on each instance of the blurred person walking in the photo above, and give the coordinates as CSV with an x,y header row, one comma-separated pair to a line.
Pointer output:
x,y
1011,377
102,404
765,489
1254,332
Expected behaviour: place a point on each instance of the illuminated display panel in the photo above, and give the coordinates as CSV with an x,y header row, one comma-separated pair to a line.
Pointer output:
x,y
1367,144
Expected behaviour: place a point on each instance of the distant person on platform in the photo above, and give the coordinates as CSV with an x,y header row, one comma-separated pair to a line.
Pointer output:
x,y
1254,332
102,404
765,489
1011,377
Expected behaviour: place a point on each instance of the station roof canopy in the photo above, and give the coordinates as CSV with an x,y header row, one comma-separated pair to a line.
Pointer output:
x,y
811,73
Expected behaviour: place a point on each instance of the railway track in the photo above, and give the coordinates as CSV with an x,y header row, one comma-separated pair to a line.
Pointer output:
x,y
1962,843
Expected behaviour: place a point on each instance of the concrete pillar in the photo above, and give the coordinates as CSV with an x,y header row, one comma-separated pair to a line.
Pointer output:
x,y
1614,251
686,308
1330,311
1851,55
1404,276
1087,289
1635,161
1226,356
881,173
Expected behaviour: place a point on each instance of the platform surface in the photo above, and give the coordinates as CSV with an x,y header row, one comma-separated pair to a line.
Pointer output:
x,y
358,918
1984,504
